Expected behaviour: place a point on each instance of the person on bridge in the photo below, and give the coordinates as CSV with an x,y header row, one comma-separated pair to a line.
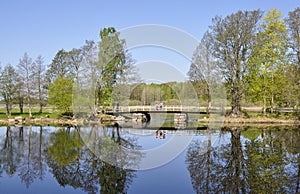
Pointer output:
x,y
160,134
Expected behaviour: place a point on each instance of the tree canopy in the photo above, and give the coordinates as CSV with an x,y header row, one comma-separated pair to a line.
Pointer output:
x,y
60,94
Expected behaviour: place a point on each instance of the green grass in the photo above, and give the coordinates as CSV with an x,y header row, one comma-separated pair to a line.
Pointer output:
x,y
35,113
275,115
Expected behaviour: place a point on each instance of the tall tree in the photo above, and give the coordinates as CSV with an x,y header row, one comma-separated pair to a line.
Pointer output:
x,y
203,65
60,67
292,87
20,95
293,24
86,73
232,39
26,72
39,69
8,82
268,63
114,64
75,58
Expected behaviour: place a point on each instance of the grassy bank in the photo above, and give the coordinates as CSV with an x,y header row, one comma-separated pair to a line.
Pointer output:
x,y
50,117
258,118
48,111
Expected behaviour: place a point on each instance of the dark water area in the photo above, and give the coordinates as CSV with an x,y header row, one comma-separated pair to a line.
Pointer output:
x,y
98,159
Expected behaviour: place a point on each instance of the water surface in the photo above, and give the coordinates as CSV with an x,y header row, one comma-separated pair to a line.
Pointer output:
x,y
36,159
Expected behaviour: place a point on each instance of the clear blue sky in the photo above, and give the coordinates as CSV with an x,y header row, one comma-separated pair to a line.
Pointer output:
x,y
44,27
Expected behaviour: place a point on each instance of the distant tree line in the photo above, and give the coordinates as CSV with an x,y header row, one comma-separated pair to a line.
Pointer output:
x,y
171,93
255,55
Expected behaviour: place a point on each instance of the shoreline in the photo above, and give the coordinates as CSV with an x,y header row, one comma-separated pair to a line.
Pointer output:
x,y
101,120
254,121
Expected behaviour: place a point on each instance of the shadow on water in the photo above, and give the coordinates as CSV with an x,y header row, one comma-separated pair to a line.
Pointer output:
x,y
231,160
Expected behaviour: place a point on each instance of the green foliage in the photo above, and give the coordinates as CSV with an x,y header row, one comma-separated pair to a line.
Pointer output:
x,y
60,67
293,24
266,162
111,62
251,134
105,96
232,40
65,146
267,81
261,64
114,67
8,86
146,94
60,94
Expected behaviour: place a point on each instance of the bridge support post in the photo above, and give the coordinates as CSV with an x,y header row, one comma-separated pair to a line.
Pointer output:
x,y
147,116
180,117
141,117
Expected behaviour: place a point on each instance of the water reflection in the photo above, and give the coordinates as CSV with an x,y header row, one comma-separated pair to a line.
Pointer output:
x,y
253,161
22,154
29,154
111,146
75,164
231,160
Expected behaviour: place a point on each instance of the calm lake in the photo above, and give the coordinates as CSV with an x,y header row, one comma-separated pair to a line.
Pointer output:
x,y
120,159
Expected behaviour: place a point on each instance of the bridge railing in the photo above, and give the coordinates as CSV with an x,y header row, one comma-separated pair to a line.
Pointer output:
x,y
186,108
158,108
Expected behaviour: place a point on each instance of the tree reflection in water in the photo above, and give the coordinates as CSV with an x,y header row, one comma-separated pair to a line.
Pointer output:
x,y
259,161
23,154
65,146
80,167
110,147
26,152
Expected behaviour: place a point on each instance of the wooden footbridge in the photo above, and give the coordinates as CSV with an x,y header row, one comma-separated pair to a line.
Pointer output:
x,y
148,111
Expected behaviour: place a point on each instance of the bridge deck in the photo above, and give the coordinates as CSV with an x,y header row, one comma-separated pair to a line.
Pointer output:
x,y
156,111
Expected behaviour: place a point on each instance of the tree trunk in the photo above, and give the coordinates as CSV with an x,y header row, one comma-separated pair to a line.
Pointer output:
x,y
40,99
208,100
236,89
235,110
272,103
8,113
265,104
21,106
41,107
30,110
298,56
235,104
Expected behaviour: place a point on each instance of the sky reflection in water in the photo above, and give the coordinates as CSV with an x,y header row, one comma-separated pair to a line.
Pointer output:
x,y
232,160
